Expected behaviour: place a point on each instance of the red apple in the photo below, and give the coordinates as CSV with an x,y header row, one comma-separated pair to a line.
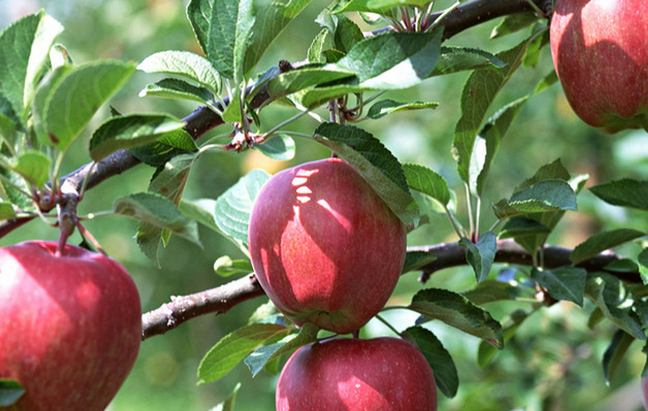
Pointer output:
x,y
324,246
70,327
600,52
382,374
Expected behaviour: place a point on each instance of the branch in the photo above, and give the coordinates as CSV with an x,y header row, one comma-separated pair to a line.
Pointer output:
x,y
219,300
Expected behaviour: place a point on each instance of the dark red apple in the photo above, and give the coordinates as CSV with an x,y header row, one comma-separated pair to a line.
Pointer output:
x,y
70,326
324,246
600,52
381,374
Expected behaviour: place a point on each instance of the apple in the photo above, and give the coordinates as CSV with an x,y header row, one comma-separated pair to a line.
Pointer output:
x,y
600,52
325,247
381,374
70,328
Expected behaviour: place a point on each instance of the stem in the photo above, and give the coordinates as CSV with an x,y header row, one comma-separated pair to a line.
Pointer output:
x,y
443,15
471,222
285,123
387,324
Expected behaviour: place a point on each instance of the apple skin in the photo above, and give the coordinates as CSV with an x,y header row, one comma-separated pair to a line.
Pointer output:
x,y
325,247
600,52
70,326
381,374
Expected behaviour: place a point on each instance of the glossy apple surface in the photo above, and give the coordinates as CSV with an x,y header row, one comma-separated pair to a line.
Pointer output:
x,y
70,327
324,246
382,374
600,52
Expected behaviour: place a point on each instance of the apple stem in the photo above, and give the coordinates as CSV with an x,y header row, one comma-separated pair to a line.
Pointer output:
x,y
387,324
88,235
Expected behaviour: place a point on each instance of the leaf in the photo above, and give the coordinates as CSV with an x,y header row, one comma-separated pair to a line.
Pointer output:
x,y
456,311
428,182
322,42
615,302
232,209
185,64
543,196
170,180
642,261
280,147
17,197
614,353
301,78
375,163
93,84
563,283
510,325
6,210
158,211
10,392
443,367
271,19
34,167
455,59
124,132
226,267
513,23
602,241
489,291
164,148
228,404
263,355
624,193
179,90
24,51
479,92
223,29
202,211
384,107
234,347
519,227
482,254
393,60
414,260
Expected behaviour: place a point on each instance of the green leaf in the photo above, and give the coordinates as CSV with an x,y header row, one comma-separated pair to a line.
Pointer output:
x,y
393,60
481,255
614,300
8,127
384,107
489,291
271,19
179,90
642,261
226,267
322,42
602,241
185,64
301,78
202,211
428,182
479,92
510,324
234,347
378,5
17,197
614,353
232,209
263,355
455,59
10,391
280,147
443,367
519,227
347,33
166,147
624,193
6,210
223,29
93,84
456,311
414,260
563,283
24,51
124,132
513,23
228,404
543,196
158,211
375,163
34,166
170,180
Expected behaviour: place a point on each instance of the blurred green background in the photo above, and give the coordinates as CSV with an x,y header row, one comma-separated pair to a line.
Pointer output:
x,y
553,363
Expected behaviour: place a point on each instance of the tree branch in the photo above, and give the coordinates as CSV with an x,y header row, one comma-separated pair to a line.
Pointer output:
x,y
219,300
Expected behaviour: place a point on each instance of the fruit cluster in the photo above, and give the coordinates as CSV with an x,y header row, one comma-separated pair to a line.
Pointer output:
x,y
327,250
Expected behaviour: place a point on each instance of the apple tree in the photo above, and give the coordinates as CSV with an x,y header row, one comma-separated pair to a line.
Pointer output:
x,y
303,187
